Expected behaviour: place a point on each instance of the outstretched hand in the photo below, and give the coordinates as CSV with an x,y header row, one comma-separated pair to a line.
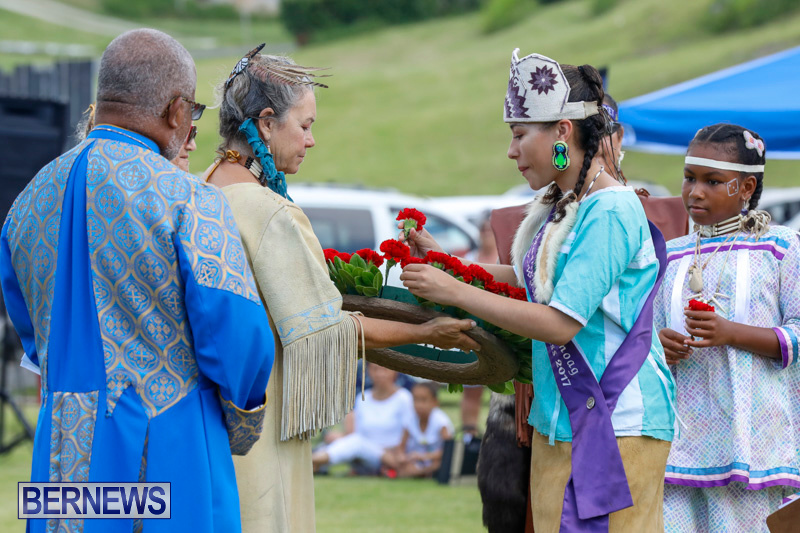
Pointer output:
x,y
447,333
431,283
420,242
675,348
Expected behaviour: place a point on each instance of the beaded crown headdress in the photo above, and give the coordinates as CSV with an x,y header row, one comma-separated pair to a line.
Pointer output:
x,y
538,92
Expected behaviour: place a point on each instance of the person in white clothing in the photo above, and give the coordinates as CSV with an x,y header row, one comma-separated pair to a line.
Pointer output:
x,y
419,454
375,425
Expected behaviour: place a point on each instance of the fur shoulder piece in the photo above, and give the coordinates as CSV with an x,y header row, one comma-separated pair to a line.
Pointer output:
x,y
554,236
536,215
555,233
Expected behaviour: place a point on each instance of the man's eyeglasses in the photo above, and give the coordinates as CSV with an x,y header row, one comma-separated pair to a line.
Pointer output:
x,y
197,109
192,134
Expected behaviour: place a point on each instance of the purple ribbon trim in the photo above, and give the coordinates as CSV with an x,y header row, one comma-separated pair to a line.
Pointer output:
x,y
598,485
751,485
775,249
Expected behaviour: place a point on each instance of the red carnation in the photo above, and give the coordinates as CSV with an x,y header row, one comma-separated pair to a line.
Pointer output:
x,y
408,214
459,270
518,294
344,256
394,249
411,260
437,258
479,273
330,254
697,305
371,256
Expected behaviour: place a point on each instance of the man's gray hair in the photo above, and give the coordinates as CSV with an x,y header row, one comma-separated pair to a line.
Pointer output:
x,y
249,94
145,68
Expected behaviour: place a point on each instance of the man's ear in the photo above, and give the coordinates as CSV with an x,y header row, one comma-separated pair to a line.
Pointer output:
x,y
175,113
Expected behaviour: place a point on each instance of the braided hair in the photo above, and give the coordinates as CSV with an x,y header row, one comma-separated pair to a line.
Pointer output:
x,y
730,139
586,85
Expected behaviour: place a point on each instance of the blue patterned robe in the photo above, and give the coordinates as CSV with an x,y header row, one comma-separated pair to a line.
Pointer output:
x,y
129,287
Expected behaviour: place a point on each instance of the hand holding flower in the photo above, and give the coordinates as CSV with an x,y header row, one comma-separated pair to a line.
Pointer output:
x,y
709,327
432,284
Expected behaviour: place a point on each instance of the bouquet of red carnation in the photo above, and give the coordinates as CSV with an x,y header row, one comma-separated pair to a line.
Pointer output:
x,y
697,305
412,219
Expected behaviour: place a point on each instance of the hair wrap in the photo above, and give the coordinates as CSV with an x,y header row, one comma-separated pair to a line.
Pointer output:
x,y
276,181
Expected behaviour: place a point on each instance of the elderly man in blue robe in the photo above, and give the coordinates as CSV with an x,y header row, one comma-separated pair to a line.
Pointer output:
x,y
130,290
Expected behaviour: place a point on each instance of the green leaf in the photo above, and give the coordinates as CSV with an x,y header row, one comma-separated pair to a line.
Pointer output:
x,y
502,388
367,277
341,285
369,291
348,278
455,387
378,281
357,260
338,262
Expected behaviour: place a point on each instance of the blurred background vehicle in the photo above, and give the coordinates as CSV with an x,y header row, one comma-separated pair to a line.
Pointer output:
x,y
349,218
475,208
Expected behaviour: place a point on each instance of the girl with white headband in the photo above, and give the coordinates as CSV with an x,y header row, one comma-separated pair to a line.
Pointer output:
x,y
735,366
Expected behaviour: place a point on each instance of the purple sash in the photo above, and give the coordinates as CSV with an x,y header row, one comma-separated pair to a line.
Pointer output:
x,y
598,485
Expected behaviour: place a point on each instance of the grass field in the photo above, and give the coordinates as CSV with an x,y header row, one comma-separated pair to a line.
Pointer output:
x,y
418,107
343,504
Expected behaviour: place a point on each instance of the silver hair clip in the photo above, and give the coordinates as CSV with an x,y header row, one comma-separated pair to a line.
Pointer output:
x,y
241,65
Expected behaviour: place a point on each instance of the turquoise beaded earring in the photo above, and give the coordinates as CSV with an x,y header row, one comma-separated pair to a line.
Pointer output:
x,y
560,156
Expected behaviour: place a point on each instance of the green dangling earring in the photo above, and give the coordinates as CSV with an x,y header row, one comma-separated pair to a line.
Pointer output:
x,y
560,156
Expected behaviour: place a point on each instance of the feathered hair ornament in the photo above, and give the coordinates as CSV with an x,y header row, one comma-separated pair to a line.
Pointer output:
x,y
277,72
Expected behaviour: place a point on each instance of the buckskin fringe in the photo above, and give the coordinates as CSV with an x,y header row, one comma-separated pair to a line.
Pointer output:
x,y
319,380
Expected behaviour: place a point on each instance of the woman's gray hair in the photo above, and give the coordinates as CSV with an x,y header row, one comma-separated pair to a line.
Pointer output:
x,y
249,94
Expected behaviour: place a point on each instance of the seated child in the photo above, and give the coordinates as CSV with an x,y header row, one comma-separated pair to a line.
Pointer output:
x,y
375,424
420,451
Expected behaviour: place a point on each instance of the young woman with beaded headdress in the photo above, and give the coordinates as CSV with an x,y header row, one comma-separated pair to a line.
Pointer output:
x,y
602,407
736,364
266,115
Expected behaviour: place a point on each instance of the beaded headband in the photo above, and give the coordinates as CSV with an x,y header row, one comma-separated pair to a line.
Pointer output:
x,y
722,165
538,92
612,114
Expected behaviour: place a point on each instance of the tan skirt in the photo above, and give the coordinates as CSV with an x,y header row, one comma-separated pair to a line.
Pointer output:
x,y
645,461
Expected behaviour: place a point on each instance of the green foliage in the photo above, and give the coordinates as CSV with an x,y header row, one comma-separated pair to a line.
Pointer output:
x,y
309,18
501,14
356,277
161,8
599,7
727,15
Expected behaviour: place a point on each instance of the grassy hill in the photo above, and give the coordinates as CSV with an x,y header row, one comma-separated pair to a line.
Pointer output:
x,y
418,107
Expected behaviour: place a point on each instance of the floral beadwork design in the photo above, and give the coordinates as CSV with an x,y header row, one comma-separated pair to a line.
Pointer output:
x,y
543,80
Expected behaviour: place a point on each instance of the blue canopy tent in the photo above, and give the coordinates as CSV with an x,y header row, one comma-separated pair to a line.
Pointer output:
x,y
763,94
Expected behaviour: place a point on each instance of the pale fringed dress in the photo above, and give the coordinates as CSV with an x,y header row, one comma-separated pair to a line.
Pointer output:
x,y
739,453
313,378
